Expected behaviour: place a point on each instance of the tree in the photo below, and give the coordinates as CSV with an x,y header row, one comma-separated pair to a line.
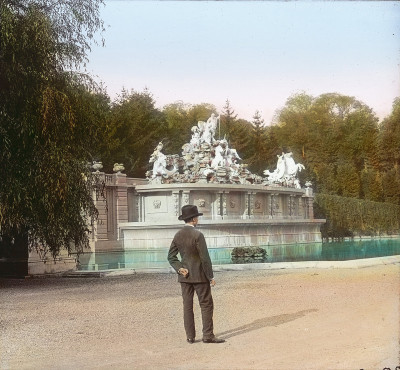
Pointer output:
x,y
296,129
228,119
348,180
257,150
178,125
180,118
200,112
331,135
371,183
46,186
389,139
391,188
240,138
133,131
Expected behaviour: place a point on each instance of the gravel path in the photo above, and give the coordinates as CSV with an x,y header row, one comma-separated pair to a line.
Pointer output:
x,y
280,319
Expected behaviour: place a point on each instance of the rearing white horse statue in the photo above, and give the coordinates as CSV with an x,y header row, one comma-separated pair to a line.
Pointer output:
x,y
286,169
291,168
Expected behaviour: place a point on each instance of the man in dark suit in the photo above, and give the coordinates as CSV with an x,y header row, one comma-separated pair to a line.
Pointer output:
x,y
194,273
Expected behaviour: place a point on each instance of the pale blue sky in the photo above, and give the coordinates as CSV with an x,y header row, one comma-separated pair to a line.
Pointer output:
x,y
256,54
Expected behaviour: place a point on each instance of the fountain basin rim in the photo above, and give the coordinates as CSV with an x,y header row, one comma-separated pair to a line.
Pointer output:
x,y
214,186
218,223
347,264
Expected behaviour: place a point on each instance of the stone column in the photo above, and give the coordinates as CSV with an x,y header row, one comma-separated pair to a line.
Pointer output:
x,y
250,206
246,213
297,200
111,210
136,207
101,205
175,200
311,207
301,210
121,197
291,205
309,200
224,203
217,209
141,206
275,206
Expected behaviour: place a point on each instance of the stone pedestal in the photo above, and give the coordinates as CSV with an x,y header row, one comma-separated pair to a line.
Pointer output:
x,y
233,215
143,216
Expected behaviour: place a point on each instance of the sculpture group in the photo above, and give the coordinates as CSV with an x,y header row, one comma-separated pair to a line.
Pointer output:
x,y
286,171
208,160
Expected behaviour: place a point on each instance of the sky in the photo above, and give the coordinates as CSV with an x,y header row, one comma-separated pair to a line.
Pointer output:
x,y
256,54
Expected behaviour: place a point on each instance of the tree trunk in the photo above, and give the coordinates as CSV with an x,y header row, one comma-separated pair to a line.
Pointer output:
x,y
14,256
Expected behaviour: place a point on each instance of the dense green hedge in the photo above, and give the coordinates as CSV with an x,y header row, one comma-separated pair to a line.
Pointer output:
x,y
347,217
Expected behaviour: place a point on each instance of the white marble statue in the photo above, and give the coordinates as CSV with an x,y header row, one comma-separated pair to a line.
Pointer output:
x,y
195,140
187,149
205,159
286,171
159,161
292,168
232,156
279,171
206,130
219,159
209,129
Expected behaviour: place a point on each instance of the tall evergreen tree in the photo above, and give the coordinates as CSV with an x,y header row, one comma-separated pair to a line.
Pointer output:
x,y
257,148
228,119
240,138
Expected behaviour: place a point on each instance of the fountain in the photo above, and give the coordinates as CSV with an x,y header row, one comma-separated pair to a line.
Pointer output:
x,y
240,208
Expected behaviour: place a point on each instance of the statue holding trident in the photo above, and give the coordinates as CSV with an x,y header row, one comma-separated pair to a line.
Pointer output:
x,y
209,129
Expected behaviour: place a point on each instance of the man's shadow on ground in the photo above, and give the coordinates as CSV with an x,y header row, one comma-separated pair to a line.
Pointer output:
x,y
262,323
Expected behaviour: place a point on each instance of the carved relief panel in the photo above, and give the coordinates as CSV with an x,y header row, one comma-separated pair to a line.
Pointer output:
x,y
260,204
156,204
203,201
236,203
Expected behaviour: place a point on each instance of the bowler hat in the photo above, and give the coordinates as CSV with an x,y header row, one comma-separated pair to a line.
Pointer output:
x,y
189,211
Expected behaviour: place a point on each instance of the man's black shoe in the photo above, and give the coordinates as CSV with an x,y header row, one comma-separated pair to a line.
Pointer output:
x,y
190,340
213,340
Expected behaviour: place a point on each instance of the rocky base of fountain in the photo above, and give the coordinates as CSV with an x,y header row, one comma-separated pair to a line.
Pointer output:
x,y
248,255
208,160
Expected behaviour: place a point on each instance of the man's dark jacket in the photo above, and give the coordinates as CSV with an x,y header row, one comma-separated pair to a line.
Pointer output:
x,y
191,245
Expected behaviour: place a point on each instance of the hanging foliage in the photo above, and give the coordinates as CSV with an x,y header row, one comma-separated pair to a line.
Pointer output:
x,y
49,124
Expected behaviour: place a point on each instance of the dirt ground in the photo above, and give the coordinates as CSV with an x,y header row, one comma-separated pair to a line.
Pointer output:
x,y
271,319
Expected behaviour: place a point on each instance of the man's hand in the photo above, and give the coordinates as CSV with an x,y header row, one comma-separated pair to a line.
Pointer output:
x,y
212,282
184,272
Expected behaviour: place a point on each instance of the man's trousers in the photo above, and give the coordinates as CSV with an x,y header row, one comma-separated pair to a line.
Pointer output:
x,y
203,291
